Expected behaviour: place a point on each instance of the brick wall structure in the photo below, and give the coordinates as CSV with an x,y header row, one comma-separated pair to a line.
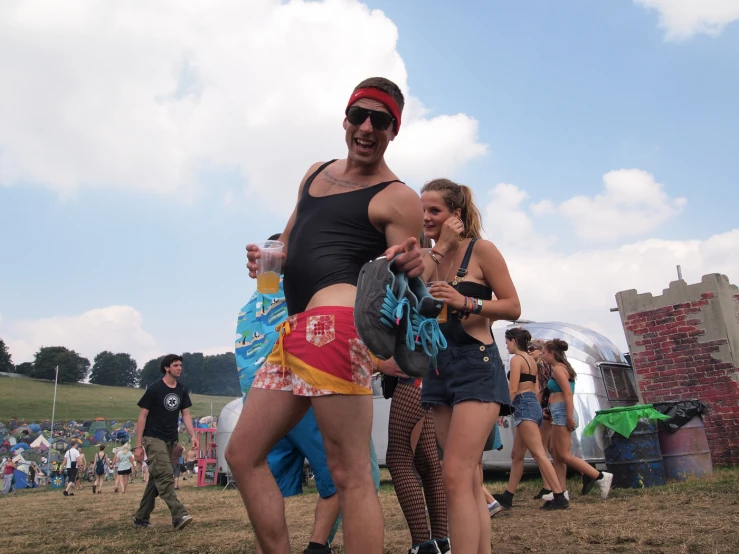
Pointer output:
x,y
684,345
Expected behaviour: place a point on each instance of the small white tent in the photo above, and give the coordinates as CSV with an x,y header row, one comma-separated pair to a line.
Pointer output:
x,y
39,442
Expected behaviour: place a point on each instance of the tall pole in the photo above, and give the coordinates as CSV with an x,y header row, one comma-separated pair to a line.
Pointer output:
x,y
211,408
53,410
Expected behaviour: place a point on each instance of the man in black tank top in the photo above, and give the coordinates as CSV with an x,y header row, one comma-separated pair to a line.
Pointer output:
x,y
349,211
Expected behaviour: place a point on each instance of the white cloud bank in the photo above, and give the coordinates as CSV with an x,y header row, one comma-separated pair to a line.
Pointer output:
x,y
681,19
145,96
114,328
579,287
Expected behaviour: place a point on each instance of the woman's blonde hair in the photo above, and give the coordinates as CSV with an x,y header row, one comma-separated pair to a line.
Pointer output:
x,y
460,197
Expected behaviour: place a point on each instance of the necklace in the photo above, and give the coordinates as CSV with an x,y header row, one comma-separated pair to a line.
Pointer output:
x,y
451,265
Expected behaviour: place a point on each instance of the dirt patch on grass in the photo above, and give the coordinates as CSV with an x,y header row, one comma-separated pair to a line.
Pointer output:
x,y
698,517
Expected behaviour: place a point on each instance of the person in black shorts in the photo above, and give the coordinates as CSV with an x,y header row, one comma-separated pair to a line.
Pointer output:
x,y
156,432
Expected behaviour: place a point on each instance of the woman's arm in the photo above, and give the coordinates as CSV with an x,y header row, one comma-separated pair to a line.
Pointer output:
x,y
559,372
496,275
515,376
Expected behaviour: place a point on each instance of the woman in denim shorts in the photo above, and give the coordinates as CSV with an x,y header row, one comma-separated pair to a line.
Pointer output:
x,y
468,390
564,421
527,417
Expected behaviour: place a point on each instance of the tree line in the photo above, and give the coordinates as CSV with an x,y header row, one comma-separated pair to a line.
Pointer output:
x,y
216,375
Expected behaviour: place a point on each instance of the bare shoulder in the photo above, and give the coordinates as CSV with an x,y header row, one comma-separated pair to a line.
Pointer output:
x,y
486,250
397,200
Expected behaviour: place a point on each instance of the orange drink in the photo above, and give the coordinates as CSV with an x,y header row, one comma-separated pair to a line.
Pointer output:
x,y
270,267
268,283
444,314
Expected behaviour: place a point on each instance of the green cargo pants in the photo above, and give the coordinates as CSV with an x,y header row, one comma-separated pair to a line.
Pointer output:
x,y
161,481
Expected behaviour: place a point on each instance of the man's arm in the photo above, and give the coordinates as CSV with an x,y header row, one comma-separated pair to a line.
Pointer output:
x,y
140,426
400,210
187,420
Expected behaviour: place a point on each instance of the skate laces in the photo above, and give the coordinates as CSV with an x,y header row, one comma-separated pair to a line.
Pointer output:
x,y
394,307
424,331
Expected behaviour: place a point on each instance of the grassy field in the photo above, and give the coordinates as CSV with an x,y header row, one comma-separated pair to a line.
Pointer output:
x,y
697,517
31,400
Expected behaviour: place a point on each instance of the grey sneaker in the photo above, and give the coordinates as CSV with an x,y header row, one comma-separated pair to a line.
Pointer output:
x,y
419,338
181,523
495,508
380,306
141,523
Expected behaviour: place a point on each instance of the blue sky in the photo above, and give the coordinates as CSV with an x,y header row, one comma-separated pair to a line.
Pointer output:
x,y
127,195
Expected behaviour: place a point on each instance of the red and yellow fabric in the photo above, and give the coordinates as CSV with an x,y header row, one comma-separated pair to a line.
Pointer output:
x,y
318,353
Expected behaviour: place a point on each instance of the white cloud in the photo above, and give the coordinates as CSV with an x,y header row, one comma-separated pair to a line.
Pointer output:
x,y
146,95
114,328
505,220
632,204
580,287
682,19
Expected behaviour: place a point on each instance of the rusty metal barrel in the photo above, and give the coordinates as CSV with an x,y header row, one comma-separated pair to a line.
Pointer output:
x,y
685,452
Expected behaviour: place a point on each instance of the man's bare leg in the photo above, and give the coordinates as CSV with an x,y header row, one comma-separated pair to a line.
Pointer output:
x,y
327,511
267,416
346,425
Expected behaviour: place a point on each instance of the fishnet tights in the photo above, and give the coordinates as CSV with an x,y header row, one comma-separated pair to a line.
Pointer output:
x,y
405,413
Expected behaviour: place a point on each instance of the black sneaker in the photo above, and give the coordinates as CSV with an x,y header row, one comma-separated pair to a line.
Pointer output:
x,y
181,523
559,503
429,547
587,484
379,306
541,493
504,500
142,524
419,338
319,550
443,546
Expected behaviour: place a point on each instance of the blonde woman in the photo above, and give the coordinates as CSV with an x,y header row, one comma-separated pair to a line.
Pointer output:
x,y
123,461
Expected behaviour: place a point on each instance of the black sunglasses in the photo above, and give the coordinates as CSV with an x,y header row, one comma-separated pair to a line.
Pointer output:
x,y
380,120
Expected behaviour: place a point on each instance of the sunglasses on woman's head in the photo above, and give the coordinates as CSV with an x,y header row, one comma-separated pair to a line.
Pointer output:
x,y
380,120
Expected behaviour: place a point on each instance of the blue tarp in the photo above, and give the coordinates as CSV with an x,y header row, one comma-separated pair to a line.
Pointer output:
x,y
35,427
21,479
20,446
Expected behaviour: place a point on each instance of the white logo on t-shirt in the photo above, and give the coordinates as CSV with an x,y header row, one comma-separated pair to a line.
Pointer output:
x,y
171,402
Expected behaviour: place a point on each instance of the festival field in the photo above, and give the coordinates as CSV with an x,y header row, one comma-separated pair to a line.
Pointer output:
x,y
30,400
698,517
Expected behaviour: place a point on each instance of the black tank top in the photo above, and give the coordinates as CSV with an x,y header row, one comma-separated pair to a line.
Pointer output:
x,y
330,242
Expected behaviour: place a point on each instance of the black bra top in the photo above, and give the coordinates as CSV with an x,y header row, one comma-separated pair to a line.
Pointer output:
x,y
474,290
525,377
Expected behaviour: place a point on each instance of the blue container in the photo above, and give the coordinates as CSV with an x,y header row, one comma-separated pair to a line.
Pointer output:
x,y
636,462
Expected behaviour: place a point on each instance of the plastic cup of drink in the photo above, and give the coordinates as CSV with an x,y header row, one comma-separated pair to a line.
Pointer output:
x,y
270,266
443,316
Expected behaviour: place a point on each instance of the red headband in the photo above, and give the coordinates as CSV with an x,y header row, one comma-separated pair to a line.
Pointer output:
x,y
381,96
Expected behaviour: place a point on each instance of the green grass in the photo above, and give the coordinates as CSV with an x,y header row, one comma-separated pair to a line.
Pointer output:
x,y
31,400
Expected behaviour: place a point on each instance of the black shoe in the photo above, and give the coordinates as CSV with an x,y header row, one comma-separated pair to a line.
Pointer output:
x,y
587,484
559,503
542,492
429,547
183,522
65,493
504,500
443,546
319,550
143,524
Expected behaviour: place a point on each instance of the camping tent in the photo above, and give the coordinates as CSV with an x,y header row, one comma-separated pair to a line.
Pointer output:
x,y
35,427
101,435
40,442
98,426
19,430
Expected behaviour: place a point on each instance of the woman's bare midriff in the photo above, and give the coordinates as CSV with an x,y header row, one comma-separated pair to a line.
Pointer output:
x,y
478,328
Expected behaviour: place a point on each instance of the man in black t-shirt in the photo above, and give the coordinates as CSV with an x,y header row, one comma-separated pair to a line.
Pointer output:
x,y
156,432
